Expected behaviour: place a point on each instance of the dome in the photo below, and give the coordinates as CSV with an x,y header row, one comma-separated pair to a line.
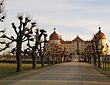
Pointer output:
x,y
54,36
101,34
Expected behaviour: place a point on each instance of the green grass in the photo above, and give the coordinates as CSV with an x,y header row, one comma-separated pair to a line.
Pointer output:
x,y
105,66
10,69
104,71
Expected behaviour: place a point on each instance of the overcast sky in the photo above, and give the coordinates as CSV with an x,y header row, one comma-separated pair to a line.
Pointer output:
x,y
69,17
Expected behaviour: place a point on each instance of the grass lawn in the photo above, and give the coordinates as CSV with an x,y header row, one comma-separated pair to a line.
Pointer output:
x,y
105,66
7,69
104,71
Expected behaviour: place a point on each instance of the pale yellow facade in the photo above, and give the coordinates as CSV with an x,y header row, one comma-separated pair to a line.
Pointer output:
x,y
76,46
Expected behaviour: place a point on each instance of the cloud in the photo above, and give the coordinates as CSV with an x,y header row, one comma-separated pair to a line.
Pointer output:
x,y
73,16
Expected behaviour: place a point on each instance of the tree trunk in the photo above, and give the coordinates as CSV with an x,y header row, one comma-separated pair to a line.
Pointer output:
x,y
18,56
53,59
95,60
56,59
99,61
41,56
49,60
42,60
34,58
97,51
90,59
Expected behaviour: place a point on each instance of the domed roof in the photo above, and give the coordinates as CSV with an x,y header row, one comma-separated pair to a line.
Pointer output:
x,y
54,36
101,34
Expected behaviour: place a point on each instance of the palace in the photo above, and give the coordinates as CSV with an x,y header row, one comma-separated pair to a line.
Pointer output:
x,y
76,46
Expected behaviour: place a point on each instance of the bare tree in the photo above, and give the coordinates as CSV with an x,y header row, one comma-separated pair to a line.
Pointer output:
x,y
93,51
2,12
98,49
23,32
37,48
42,45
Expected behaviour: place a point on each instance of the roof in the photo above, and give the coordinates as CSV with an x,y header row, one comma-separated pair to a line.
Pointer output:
x,y
65,42
100,34
88,42
78,39
54,36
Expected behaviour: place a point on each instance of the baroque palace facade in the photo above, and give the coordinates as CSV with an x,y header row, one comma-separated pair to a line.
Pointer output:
x,y
76,46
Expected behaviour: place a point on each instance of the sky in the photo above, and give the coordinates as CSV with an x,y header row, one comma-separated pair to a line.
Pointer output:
x,y
69,17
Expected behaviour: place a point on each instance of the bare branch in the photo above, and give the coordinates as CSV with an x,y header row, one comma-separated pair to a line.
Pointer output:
x,y
20,16
2,31
2,13
6,45
14,27
27,19
4,36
